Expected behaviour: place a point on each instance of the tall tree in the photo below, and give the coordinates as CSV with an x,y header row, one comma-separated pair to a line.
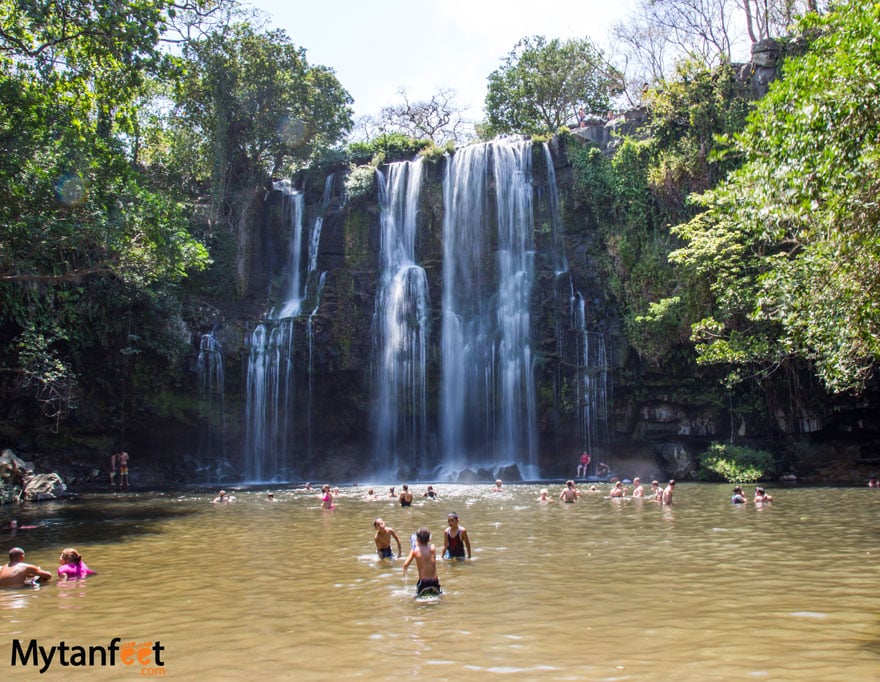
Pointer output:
x,y
437,118
702,29
541,85
789,245
260,110
78,223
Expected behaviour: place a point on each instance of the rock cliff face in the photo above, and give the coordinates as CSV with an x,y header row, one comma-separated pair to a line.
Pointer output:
x,y
590,391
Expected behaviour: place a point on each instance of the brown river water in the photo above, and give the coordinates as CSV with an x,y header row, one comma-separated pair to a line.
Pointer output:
x,y
597,590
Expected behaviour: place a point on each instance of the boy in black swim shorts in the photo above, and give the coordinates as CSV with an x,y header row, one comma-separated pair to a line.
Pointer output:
x,y
425,555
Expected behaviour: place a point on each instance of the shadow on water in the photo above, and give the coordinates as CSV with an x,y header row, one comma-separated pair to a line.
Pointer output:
x,y
69,522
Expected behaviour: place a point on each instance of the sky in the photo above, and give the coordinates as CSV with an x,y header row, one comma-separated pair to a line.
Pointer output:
x,y
378,48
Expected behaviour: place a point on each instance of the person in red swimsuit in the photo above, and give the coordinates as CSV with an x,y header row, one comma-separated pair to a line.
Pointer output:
x,y
583,465
455,540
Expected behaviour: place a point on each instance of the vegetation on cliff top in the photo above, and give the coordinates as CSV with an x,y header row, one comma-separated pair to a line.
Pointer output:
x,y
123,165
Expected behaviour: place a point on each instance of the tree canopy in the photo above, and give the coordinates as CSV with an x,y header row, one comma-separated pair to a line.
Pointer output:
x,y
542,83
108,141
789,244
258,103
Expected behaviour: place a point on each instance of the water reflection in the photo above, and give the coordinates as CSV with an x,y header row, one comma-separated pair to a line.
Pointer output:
x,y
600,589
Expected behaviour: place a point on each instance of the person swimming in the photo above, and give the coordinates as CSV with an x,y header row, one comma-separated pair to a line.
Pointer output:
x,y
72,566
327,498
455,539
17,573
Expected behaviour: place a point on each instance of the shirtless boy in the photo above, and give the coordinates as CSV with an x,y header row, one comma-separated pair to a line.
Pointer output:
x,y
425,555
19,574
638,489
383,540
455,540
666,496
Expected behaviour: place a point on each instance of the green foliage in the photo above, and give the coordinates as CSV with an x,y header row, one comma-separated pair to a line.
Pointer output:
x,y
630,199
613,198
360,182
690,116
79,223
788,244
391,147
735,464
541,85
435,153
261,110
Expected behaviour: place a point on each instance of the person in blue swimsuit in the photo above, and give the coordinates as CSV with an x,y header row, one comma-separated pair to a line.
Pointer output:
x,y
456,543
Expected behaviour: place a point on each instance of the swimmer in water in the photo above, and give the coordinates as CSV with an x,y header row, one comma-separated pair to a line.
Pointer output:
x,y
425,556
544,496
326,498
72,566
761,496
569,492
455,539
666,497
383,538
19,574
638,488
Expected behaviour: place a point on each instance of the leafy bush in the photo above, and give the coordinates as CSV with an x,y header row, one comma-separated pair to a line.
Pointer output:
x,y
360,181
392,147
735,463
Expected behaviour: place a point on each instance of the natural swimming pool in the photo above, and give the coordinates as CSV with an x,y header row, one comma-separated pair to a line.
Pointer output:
x,y
598,590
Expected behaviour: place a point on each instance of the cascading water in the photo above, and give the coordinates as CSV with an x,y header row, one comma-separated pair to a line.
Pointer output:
x,y
292,207
315,242
310,329
592,380
560,261
488,411
400,324
211,388
271,378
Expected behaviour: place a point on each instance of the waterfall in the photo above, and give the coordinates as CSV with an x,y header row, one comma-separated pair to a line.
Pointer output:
x,y
310,330
592,381
561,262
400,324
270,385
271,379
211,388
292,209
488,403
315,242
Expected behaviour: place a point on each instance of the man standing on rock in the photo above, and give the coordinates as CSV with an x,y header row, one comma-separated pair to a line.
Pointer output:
x,y
119,464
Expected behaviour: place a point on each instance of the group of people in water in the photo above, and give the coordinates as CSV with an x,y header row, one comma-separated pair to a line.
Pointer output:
x,y
18,573
456,546
571,493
